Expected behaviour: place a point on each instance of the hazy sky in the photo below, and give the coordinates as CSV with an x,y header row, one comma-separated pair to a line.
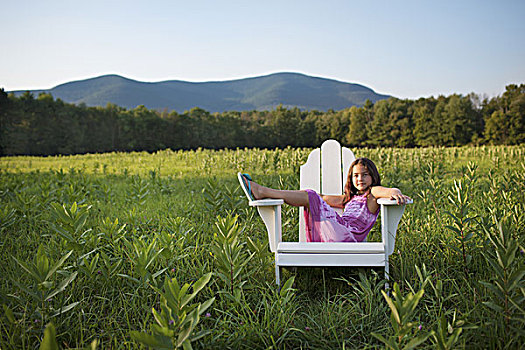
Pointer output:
x,y
407,49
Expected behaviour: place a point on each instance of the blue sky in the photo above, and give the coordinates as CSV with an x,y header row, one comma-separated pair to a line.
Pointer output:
x,y
408,49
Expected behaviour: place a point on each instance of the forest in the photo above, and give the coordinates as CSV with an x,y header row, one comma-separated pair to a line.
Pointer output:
x,y
43,125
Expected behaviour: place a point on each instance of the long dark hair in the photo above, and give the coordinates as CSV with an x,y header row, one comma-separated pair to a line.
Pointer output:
x,y
350,190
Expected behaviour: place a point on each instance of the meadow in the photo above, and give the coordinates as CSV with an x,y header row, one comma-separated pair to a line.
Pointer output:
x,y
123,250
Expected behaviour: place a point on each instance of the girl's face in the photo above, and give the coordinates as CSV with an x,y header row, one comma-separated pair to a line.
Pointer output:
x,y
361,178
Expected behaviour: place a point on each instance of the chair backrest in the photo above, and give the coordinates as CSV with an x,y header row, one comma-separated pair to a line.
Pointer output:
x,y
325,171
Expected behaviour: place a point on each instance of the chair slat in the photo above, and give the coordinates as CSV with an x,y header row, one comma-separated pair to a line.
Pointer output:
x,y
331,173
348,159
309,178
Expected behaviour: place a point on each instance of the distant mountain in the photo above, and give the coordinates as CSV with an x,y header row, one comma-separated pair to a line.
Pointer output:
x,y
258,93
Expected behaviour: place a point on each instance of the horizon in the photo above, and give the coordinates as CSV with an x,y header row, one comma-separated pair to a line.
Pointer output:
x,y
408,50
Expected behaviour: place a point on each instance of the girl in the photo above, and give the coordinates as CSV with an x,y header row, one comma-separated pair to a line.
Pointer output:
x,y
323,223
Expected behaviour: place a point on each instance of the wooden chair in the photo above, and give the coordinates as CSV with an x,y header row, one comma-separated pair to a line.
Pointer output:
x,y
326,172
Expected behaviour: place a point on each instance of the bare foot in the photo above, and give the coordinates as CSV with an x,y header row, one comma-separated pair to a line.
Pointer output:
x,y
256,190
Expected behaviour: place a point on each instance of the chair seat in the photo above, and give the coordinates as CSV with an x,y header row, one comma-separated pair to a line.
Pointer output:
x,y
331,248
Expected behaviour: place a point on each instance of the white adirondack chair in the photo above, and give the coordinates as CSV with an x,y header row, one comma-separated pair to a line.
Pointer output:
x,y
326,172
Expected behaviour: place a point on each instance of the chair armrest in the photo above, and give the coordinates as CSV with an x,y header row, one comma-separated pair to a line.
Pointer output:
x,y
387,201
270,211
265,202
391,213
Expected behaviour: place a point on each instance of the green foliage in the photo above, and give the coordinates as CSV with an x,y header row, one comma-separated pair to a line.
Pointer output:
x,y
405,329
69,224
44,126
7,218
111,230
143,256
222,199
461,220
118,248
177,319
445,335
230,255
269,323
140,189
49,342
505,116
44,287
507,285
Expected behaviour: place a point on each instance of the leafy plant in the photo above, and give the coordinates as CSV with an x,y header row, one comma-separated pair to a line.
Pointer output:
x,y
108,267
445,335
277,310
49,342
262,256
7,218
507,286
230,254
111,230
461,220
69,224
143,257
402,310
222,199
42,272
89,267
269,322
50,338
140,188
177,319
27,203
173,238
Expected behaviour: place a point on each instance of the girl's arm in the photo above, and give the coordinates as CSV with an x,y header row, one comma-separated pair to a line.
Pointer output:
x,y
391,193
333,200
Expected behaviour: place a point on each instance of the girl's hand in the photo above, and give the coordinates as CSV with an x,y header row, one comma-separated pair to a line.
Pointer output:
x,y
400,198
392,193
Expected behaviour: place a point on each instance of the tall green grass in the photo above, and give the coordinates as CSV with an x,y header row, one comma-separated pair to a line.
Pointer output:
x,y
90,244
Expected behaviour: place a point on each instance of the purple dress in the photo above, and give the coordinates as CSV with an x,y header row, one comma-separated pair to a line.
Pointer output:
x,y
324,224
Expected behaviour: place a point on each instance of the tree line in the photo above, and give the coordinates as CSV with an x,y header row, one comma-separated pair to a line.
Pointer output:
x,y
43,125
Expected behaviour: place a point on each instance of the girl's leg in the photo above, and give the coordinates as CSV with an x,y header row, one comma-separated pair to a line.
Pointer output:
x,y
295,198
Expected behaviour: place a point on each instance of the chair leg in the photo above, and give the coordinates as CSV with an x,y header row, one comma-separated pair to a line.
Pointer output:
x,y
387,276
278,275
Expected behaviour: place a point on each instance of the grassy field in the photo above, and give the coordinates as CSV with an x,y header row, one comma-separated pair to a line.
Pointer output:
x,y
116,250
